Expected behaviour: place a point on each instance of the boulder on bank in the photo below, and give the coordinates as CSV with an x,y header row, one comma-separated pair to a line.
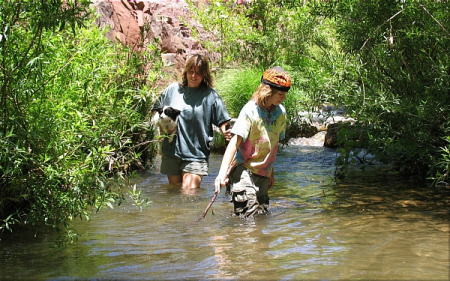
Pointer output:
x,y
331,135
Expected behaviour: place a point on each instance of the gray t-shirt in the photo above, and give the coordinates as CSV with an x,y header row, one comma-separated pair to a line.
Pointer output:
x,y
200,109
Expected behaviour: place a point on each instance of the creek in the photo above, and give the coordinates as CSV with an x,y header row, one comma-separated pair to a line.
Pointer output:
x,y
374,225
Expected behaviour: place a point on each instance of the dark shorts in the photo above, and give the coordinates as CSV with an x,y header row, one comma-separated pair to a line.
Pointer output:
x,y
171,165
249,192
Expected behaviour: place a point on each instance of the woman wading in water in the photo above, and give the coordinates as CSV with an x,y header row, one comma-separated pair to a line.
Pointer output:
x,y
248,161
185,159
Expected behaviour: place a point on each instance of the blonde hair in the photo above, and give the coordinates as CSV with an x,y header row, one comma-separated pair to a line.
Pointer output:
x,y
262,94
202,63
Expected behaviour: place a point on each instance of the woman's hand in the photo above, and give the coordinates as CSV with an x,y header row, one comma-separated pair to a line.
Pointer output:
x,y
225,128
222,177
220,181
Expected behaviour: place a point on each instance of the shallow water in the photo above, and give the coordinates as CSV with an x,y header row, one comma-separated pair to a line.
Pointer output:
x,y
370,227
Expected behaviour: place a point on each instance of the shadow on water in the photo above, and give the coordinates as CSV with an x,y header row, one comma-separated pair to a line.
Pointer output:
x,y
384,194
306,179
372,226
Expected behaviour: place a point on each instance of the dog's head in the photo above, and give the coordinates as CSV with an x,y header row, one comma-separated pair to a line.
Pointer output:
x,y
159,110
170,112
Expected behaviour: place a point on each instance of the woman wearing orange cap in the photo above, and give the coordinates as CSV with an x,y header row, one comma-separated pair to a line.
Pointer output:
x,y
248,161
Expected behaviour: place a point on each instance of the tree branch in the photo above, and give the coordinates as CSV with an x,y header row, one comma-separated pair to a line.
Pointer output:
x,y
391,18
442,27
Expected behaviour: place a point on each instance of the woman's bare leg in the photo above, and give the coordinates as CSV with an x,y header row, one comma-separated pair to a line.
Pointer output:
x,y
191,181
175,179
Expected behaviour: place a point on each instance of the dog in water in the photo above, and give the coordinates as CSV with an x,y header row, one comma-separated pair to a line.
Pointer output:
x,y
166,119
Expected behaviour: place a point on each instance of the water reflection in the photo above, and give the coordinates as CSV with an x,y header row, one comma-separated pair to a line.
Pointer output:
x,y
369,227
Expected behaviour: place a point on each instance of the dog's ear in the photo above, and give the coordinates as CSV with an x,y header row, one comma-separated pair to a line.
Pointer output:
x,y
172,112
159,110
176,111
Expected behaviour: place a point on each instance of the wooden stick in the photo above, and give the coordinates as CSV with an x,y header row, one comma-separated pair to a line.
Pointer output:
x,y
228,126
209,206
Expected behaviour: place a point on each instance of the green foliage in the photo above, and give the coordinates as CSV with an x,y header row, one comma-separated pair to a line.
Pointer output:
x,y
138,200
443,166
285,33
401,57
75,119
230,27
236,86
262,33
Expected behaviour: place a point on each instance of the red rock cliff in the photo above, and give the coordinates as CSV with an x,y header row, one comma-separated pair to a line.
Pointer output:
x,y
165,24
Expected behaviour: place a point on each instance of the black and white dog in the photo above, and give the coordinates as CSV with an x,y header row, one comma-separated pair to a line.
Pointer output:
x,y
166,119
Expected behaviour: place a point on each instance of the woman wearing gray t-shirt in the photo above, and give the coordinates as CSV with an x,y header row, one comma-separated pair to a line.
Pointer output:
x,y
185,158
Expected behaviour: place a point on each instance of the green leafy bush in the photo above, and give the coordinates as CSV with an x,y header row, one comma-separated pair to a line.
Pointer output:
x,y
400,56
75,122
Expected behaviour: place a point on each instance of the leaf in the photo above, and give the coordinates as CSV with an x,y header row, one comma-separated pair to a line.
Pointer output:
x,y
33,61
63,24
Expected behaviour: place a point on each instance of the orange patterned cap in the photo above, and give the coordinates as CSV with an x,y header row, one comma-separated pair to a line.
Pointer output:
x,y
277,78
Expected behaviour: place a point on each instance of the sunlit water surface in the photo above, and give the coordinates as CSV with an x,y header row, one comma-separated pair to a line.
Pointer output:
x,y
370,227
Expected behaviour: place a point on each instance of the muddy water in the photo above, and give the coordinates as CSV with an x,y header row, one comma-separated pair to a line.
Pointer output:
x,y
373,226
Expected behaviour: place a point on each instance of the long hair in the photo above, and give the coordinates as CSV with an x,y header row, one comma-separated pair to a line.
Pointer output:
x,y
202,63
262,93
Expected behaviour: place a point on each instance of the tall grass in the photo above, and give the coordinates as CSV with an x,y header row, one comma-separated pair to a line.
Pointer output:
x,y
236,86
